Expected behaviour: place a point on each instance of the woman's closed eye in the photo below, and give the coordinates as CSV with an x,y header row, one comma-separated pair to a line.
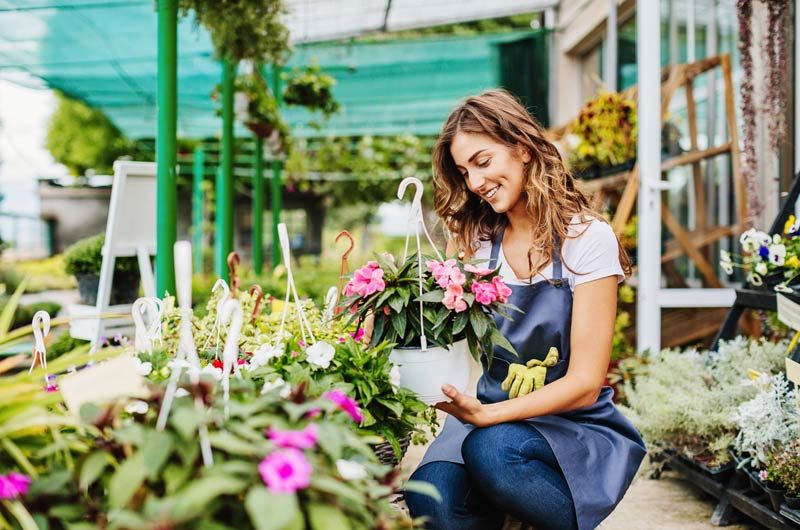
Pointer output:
x,y
484,163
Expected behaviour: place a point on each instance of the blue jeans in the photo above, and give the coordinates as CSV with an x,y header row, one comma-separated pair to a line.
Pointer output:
x,y
508,469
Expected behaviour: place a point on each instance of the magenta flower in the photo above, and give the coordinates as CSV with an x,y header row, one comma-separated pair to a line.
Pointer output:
x,y
285,471
345,403
314,412
446,272
503,290
358,334
13,485
485,292
302,439
477,271
453,298
366,281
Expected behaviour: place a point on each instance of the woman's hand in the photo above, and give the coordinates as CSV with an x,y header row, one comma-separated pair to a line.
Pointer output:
x,y
466,408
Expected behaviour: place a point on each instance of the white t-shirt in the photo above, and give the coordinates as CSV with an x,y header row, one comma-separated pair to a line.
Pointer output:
x,y
592,255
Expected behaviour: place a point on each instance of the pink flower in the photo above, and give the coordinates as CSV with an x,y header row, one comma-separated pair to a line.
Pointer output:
x,y
485,292
358,334
314,413
13,485
366,281
446,272
285,471
303,439
51,388
345,403
453,298
503,290
477,271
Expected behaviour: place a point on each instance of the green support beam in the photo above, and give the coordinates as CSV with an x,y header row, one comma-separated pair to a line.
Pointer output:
x,y
224,210
166,144
276,186
198,172
258,205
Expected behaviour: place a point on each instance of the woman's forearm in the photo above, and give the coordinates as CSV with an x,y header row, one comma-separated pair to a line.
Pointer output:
x,y
562,395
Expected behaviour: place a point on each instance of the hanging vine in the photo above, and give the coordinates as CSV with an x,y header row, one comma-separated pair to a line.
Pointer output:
x,y
750,162
775,54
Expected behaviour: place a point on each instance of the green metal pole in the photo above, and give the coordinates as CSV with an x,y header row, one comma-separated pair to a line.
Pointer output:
x,y
258,205
276,186
166,181
224,213
198,171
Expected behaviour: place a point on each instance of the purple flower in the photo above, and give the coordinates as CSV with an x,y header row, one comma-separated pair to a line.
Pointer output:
x,y
13,485
345,403
285,471
302,439
764,252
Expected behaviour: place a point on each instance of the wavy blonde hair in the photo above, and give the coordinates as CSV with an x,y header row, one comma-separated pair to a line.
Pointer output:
x,y
551,196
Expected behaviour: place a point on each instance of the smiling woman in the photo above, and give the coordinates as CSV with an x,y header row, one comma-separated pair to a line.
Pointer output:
x,y
542,441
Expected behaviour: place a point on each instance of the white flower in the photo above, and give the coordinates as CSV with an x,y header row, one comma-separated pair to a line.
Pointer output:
x,y
136,407
213,371
777,254
394,377
761,268
350,470
754,279
142,368
320,354
725,261
264,354
753,239
181,392
277,384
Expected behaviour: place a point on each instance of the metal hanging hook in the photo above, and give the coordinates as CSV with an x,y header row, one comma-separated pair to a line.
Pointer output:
x,y
343,270
417,183
41,328
233,263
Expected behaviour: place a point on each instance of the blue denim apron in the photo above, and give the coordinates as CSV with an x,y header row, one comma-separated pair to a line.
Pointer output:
x,y
598,449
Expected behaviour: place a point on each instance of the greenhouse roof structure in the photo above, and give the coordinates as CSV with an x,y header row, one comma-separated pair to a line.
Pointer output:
x,y
105,53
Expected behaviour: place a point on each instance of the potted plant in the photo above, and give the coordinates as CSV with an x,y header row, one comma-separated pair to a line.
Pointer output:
x,y
453,313
772,485
84,259
256,107
603,137
770,261
311,88
786,472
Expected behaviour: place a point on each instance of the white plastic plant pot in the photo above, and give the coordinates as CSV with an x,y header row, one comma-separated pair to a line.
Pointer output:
x,y
424,372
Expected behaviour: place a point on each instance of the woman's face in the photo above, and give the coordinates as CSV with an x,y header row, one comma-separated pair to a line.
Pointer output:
x,y
491,170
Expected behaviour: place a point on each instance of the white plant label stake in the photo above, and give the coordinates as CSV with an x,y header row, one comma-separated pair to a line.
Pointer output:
x,y
331,298
231,312
41,328
416,221
215,329
142,341
186,348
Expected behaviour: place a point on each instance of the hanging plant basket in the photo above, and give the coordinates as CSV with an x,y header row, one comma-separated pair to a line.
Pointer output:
x,y
260,128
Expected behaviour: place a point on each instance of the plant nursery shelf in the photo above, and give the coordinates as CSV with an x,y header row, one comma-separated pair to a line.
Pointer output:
x,y
733,494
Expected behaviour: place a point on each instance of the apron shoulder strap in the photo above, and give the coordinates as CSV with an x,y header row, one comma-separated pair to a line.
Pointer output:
x,y
556,258
498,240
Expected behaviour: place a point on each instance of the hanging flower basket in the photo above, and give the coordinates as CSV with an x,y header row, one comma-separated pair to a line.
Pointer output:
x,y
260,128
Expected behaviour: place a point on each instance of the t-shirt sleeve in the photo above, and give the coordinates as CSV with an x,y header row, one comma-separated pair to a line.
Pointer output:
x,y
594,254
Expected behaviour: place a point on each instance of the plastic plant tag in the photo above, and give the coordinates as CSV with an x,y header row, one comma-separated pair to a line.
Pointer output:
x,y
788,312
793,371
103,382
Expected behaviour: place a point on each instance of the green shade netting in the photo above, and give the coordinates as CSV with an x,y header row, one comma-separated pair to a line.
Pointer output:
x,y
105,54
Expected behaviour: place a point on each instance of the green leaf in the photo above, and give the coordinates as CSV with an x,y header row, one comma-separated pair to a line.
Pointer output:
x,y
176,476
479,322
431,296
7,315
21,514
232,444
396,303
186,421
381,299
460,322
329,440
425,488
273,512
92,468
405,292
81,526
330,485
399,323
395,406
66,512
196,497
326,517
125,481
156,448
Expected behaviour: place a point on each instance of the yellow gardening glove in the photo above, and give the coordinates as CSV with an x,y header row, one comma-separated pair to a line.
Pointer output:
x,y
524,379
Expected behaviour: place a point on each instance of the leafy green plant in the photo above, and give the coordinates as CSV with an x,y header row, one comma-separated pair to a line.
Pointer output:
x,y
277,463
389,291
86,257
243,30
310,87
